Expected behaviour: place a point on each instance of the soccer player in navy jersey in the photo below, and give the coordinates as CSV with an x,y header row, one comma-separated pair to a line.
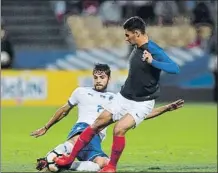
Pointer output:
x,y
136,98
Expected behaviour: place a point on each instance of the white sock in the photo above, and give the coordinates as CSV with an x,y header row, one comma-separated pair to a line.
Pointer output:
x,y
87,166
65,148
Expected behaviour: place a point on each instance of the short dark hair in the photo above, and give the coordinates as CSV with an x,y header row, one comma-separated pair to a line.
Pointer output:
x,y
102,67
135,23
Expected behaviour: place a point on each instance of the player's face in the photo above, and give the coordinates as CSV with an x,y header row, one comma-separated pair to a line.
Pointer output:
x,y
100,80
130,37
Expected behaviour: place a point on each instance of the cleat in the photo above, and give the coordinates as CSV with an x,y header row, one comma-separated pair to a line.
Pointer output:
x,y
108,168
63,160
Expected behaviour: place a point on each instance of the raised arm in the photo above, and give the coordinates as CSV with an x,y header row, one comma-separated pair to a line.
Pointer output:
x,y
161,110
161,61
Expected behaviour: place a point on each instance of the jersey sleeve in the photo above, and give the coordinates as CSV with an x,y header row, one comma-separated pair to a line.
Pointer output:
x,y
74,98
162,61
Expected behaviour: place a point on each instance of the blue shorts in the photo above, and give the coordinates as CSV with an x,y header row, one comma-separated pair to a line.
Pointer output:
x,y
93,149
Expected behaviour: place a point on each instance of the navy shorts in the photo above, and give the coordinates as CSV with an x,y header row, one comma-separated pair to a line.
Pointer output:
x,y
93,149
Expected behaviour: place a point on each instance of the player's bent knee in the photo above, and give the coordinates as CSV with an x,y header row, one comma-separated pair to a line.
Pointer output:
x,y
119,131
123,125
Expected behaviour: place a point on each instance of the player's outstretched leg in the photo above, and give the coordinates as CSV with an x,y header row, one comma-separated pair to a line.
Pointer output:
x,y
86,136
88,166
120,129
92,157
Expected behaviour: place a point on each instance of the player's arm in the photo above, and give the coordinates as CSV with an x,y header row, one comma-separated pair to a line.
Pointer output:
x,y
161,110
59,114
161,61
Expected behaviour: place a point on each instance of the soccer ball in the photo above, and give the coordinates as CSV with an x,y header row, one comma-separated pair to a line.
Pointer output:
x,y
52,166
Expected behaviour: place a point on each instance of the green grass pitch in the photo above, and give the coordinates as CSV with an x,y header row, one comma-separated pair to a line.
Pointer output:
x,y
184,140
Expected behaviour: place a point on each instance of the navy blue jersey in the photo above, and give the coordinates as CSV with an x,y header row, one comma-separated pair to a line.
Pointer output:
x,y
142,82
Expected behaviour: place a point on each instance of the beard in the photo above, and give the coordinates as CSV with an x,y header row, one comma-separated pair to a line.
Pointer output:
x,y
102,88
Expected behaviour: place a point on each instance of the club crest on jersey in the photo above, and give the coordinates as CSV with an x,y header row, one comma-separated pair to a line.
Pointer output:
x,y
90,94
111,97
103,96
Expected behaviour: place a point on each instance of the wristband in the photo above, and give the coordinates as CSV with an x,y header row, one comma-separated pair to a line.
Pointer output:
x,y
45,128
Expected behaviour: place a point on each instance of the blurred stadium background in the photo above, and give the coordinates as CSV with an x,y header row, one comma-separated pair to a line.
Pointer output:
x,y
48,48
73,35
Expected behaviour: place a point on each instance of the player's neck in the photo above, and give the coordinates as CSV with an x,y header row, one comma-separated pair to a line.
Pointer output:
x,y
143,40
102,91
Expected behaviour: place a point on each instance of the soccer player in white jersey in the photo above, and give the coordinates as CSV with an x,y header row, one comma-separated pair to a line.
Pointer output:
x,y
89,101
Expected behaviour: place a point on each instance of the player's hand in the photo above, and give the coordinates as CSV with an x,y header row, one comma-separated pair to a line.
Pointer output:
x,y
175,105
63,160
147,57
39,132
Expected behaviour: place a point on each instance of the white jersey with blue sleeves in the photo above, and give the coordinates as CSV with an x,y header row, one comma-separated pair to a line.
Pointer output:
x,y
89,102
